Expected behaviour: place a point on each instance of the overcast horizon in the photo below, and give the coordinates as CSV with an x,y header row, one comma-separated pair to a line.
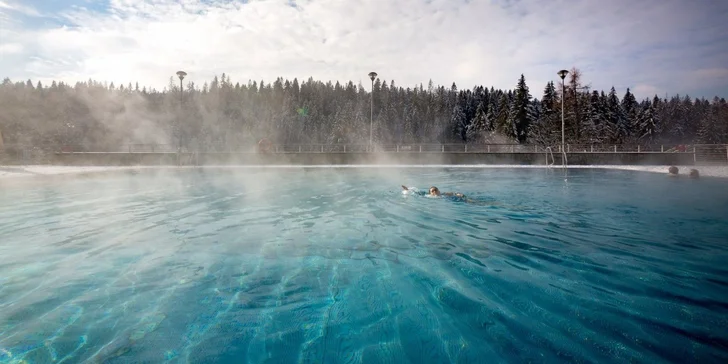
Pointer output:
x,y
653,47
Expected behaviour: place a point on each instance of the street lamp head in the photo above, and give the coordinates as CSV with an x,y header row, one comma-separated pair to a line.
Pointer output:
x,y
181,74
372,75
563,74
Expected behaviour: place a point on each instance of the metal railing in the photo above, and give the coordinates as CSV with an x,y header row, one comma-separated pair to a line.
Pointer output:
x,y
710,153
701,153
708,150
549,153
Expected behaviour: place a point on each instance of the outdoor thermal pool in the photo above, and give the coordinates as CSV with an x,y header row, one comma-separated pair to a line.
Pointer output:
x,y
337,265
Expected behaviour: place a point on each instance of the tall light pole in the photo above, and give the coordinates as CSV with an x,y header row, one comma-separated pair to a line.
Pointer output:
x,y
562,74
181,75
372,75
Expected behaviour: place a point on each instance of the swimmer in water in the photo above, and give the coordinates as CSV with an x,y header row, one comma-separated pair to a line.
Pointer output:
x,y
434,192
457,196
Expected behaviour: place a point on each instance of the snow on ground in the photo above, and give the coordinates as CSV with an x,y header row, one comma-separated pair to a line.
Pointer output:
x,y
48,170
26,171
705,171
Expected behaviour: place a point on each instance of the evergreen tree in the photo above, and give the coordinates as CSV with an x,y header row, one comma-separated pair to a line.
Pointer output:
x,y
549,102
647,123
504,123
713,126
630,109
458,122
593,120
478,129
521,111
546,129
616,118
675,128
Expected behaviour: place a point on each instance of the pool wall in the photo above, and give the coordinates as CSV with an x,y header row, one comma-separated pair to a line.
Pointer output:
x,y
125,159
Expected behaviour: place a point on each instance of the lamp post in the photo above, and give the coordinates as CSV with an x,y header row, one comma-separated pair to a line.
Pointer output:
x,y
372,76
181,75
562,74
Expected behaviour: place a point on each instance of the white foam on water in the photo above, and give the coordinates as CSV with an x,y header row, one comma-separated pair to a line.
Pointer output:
x,y
47,170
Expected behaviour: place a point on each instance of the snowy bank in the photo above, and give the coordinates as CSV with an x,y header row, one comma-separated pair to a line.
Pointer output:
x,y
705,171
27,171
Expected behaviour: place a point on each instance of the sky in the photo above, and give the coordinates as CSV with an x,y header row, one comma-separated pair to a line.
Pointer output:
x,y
653,47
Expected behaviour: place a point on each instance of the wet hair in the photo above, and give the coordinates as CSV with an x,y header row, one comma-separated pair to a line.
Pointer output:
x,y
672,170
435,189
694,173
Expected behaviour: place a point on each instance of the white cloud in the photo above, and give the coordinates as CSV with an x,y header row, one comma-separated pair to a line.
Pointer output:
x,y
10,48
649,45
18,8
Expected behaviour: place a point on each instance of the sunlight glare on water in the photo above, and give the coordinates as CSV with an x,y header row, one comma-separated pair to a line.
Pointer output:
x,y
338,265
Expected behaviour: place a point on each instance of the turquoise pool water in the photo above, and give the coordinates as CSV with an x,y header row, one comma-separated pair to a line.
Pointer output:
x,y
338,266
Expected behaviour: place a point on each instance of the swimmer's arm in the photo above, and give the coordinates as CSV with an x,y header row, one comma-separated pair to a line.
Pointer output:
x,y
456,194
415,191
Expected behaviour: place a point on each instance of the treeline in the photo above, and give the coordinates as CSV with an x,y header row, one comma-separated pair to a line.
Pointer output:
x,y
222,115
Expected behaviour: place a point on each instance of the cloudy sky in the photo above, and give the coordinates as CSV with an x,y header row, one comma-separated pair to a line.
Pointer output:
x,y
651,46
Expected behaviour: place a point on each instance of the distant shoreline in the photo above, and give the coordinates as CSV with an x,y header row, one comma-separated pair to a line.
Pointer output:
x,y
126,159
22,172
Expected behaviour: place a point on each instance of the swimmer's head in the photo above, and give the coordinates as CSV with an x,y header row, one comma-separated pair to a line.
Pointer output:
x,y
434,191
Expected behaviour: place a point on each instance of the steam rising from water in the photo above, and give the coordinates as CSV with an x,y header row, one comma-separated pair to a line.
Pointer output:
x,y
128,118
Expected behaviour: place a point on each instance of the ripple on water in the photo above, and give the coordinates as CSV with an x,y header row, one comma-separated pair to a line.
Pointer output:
x,y
338,266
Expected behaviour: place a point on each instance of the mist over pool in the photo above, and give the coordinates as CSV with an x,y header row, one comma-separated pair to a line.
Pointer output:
x,y
337,265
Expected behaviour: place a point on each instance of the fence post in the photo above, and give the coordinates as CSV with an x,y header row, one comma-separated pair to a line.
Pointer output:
x,y
397,148
592,148
322,148
695,158
615,148
443,148
638,149
568,148
344,148
488,148
420,148
662,148
466,148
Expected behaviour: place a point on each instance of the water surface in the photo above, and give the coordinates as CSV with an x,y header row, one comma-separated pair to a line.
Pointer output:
x,y
338,266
